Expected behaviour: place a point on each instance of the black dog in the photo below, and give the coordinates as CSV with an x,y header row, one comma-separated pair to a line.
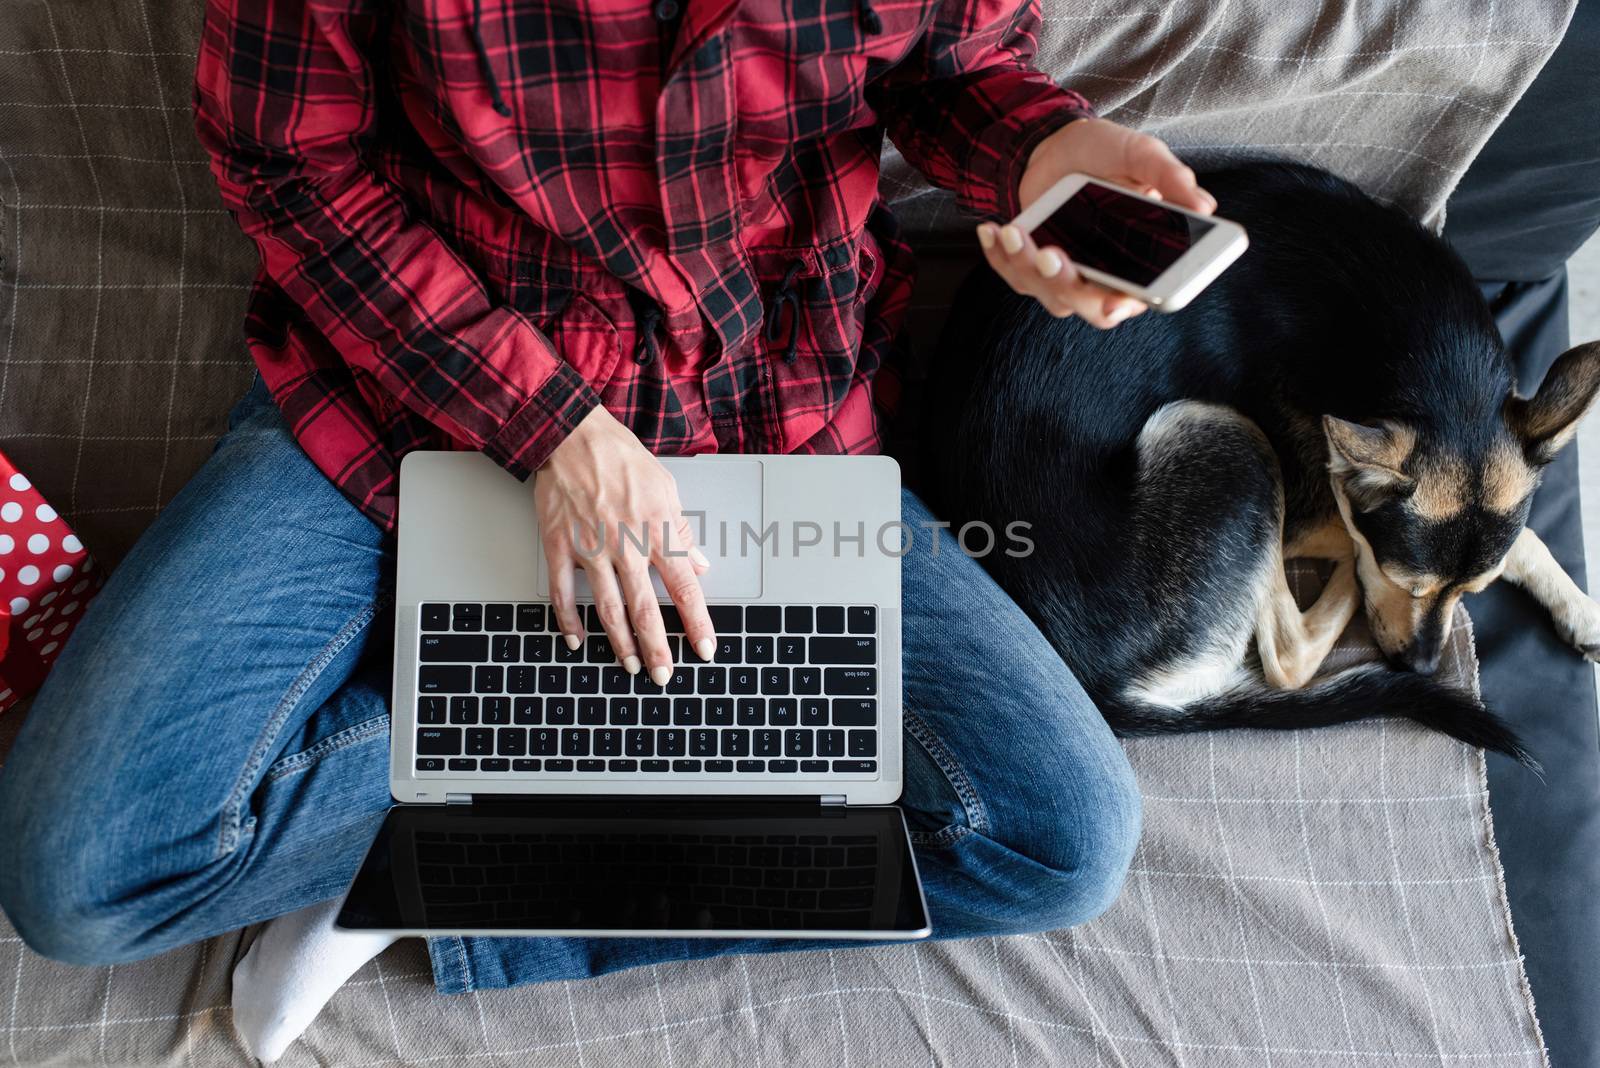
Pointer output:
x,y
1340,393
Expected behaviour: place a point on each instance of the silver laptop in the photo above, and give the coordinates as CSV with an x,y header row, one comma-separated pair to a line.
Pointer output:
x,y
543,790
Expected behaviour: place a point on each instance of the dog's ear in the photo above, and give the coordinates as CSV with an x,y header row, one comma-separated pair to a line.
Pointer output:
x,y
1547,420
1368,459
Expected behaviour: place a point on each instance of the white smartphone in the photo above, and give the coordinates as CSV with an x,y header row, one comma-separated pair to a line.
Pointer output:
x,y
1146,248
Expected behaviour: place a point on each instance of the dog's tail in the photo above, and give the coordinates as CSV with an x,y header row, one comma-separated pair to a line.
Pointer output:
x,y
1360,693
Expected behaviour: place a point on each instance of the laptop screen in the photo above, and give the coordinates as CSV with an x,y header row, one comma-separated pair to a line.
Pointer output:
x,y
641,866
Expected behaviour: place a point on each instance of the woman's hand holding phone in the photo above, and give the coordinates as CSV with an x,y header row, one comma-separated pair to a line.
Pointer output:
x,y
1103,150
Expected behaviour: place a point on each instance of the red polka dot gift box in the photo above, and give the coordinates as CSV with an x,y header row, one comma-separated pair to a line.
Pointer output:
x,y
46,579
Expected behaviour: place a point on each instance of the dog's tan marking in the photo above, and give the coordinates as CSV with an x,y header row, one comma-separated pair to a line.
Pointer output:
x,y
1442,489
1327,541
1507,479
1293,644
1576,616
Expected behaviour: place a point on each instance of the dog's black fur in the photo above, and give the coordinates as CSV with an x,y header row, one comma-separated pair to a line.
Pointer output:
x,y
1341,307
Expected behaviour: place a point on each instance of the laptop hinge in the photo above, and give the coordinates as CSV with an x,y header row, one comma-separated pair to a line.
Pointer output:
x,y
458,799
832,799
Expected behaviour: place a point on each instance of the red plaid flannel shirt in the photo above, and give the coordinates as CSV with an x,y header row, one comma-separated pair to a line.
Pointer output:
x,y
478,219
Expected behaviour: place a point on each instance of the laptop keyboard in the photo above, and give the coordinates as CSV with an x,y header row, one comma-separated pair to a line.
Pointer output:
x,y
758,881
792,690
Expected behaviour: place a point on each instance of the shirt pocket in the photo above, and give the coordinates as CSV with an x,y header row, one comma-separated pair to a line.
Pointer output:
x,y
585,338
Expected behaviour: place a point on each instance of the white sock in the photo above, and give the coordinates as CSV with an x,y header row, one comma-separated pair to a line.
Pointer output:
x,y
297,963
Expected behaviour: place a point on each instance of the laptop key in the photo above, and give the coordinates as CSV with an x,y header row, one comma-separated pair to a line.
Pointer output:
x,y
591,765
703,743
856,766
671,619
463,764
719,712
711,680
608,742
863,743
497,617
670,743
655,711
791,649
742,680
850,682
624,711
752,712
862,619
574,742
435,616
511,741
527,710
682,681
830,743
806,680
585,678
541,741
735,743
763,619
750,765
775,680
797,619
453,649
438,678
496,710
592,710
600,651
439,741
466,617
830,619
505,649
686,711
814,712
758,649
622,765
653,765
686,765
480,741
530,617
558,765
526,764
730,650
812,767
797,743
844,650
782,712
767,743
726,618
489,678
719,766
568,656
463,710
614,680
537,648
783,767
430,763
494,764
640,743
855,712
559,710
432,708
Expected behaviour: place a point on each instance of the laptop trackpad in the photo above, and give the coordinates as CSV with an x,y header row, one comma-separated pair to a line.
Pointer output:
x,y
723,500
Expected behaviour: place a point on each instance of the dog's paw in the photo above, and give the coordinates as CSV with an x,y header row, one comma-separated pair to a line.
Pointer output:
x,y
1579,623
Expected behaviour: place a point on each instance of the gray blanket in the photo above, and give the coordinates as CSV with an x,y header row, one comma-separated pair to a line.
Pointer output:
x,y
1331,898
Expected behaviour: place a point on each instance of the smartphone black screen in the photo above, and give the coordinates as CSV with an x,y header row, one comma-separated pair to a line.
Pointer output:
x,y
1121,235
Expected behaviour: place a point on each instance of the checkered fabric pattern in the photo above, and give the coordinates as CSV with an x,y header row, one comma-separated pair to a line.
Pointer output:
x,y
1328,898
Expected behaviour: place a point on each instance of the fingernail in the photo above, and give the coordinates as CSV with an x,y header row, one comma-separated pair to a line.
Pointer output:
x,y
1011,239
660,675
1049,263
1120,312
699,557
572,640
986,236
630,664
705,647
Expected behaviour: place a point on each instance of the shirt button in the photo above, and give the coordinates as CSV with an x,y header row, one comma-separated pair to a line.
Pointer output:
x,y
666,10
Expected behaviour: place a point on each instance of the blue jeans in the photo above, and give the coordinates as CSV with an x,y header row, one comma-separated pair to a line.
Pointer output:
x,y
211,749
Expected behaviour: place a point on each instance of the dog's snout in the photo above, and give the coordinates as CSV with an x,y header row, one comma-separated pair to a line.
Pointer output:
x,y
1423,659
